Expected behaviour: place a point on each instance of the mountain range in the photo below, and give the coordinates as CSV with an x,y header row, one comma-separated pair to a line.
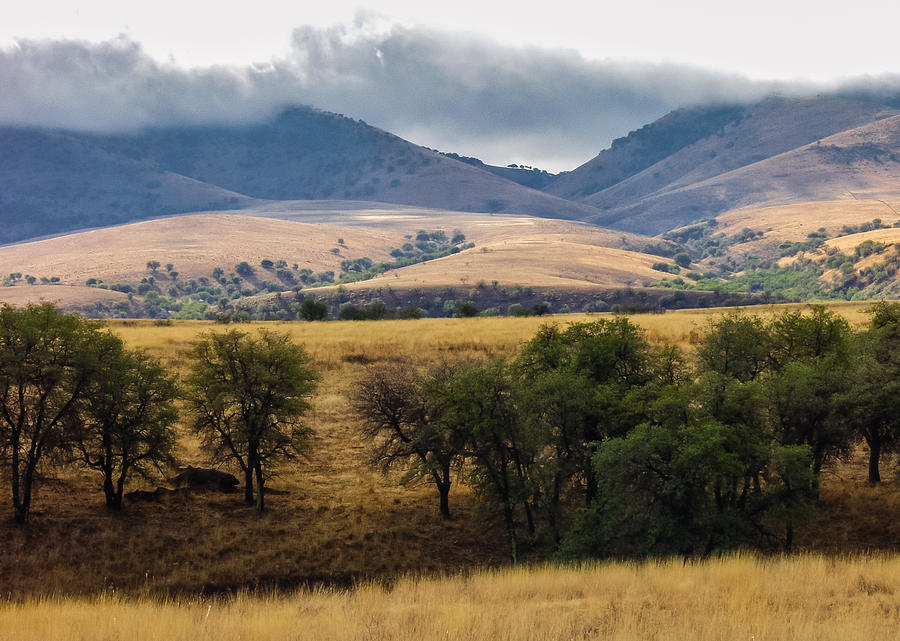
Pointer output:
x,y
764,175
691,164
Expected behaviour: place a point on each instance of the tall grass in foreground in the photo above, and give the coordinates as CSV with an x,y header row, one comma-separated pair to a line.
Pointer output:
x,y
736,598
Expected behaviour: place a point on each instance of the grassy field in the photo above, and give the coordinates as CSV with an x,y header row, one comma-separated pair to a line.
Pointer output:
x,y
801,598
334,520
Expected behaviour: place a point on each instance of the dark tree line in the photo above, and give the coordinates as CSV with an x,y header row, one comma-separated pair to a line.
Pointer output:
x,y
73,394
593,441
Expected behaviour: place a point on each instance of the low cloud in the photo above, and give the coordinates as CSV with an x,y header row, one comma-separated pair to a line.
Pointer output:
x,y
450,91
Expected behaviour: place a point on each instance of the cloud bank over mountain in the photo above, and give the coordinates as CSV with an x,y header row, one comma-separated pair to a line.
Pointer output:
x,y
451,91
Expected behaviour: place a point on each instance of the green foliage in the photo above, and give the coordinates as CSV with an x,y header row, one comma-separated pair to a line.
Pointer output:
x,y
313,310
246,395
682,259
244,269
402,417
124,419
465,309
47,359
870,405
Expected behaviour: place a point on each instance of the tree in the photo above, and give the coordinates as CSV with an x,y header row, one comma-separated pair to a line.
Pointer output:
x,y
809,363
734,345
46,361
871,404
466,309
123,422
244,269
682,259
247,395
689,489
477,403
153,265
404,425
313,310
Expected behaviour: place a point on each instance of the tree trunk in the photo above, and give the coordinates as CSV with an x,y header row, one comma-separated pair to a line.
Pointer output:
x,y
260,501
248,485
113,499
874,458
22,505
444,490
511,531
529,517
16,496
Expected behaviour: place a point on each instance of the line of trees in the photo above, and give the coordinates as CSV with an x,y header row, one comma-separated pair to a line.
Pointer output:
x,y
73,394
595,442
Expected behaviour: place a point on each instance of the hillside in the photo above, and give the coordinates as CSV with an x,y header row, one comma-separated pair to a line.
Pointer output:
x,y
855,164
744,162
196,256
55,181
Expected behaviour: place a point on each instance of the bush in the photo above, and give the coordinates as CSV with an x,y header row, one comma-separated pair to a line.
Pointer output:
x,y
466,309
313,310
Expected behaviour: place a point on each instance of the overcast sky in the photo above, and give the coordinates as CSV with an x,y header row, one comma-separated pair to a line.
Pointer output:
x,y
548,84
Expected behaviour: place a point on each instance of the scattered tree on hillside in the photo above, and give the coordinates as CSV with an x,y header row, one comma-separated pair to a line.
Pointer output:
x,y
246,395
124,420
46,361
871,404
313,310
404,425
153,265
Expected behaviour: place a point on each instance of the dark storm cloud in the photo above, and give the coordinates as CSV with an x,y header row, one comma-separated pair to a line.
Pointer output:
x,y
449,91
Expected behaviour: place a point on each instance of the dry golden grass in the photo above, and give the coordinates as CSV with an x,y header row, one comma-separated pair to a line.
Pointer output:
x,y
194,244
541,261
795,221
849,243
66,296
334,520
511,249
802,598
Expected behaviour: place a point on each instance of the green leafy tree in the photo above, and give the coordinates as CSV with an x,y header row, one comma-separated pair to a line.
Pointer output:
x,y
689,490
124,420
246,396
477,403
47,359
809,356
401,419
871,404
466,309
313,310
682,259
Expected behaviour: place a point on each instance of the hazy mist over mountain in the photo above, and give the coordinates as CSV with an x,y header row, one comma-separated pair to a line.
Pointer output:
x,y
463,93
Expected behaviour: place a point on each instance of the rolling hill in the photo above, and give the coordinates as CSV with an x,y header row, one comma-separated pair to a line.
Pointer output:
x,y
188,249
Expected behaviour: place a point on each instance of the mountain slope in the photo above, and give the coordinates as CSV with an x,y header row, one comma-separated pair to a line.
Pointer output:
x,y
306,154
662,195
642,148
856,164
52,181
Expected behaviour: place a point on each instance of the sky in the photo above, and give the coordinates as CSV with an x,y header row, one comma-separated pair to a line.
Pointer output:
x,y
547,84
